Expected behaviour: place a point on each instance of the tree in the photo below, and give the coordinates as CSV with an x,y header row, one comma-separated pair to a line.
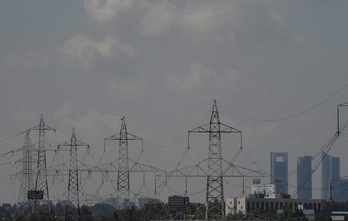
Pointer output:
x,y
86,214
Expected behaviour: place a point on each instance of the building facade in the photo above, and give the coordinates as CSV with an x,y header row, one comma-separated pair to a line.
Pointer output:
x,y
249,204
279,171
330,173
304,177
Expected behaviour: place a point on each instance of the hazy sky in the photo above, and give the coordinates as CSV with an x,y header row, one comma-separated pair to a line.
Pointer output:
x,y
161,64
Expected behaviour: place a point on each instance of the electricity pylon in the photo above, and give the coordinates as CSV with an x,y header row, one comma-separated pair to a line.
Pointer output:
x,y
73,185
40,190
26,179
217,167
214,188
123,183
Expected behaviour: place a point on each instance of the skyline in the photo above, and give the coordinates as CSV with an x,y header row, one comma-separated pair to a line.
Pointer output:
x,y
277,69
279,164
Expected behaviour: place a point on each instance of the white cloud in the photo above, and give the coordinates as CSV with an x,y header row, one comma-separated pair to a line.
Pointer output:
x,y
63,115
81,50
212,19
126,90
276,17
160,19
227,80
105,10
199,76
92,127
195,78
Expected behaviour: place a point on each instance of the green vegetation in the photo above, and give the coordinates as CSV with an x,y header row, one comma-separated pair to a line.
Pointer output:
x,y
150,211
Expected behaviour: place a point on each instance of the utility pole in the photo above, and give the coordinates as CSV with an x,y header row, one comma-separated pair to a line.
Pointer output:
x,y
123,183
40,191
26,178
73,185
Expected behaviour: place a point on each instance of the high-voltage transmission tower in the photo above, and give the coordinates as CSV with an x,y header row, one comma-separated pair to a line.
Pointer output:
x,y
26,179
74,214
123,183
214,186
217,167
40,190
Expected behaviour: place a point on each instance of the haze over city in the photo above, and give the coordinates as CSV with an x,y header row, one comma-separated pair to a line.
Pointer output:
x,y
277,69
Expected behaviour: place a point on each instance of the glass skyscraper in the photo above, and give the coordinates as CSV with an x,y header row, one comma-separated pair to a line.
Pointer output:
x,y
330,172
304,177
279,171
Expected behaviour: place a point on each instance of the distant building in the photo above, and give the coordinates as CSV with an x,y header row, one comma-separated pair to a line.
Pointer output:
x,y
178,201
263,190
330,173
340,190
144,200
304,177
249,204
279,171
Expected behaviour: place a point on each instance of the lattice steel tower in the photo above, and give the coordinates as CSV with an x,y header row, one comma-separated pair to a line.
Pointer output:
x,y
73,185
123,183
41,186
26,178
214,187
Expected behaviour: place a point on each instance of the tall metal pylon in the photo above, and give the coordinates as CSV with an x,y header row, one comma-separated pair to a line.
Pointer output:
x,y
215,167
214,185
123,183
26,179
73,185
40,191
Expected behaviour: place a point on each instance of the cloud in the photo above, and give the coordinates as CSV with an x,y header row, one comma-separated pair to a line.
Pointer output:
x,y
227,79
276,17
212,19
126,90
219,21
160,19
103,11
91,127
199,76
30,59
266,129
83,51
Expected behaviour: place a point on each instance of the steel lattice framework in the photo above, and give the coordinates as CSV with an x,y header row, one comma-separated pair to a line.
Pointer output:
x,y
214,186
73,185
217,167
41,178
26,177
123,183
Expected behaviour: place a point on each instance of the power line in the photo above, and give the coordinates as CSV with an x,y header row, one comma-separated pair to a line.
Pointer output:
x,y
288,117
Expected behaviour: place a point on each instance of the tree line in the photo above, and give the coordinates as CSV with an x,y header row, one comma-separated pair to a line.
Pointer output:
x,y
150,211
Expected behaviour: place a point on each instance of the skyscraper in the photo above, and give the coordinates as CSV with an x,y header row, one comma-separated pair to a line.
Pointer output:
x,y
304,177
330,173
279,171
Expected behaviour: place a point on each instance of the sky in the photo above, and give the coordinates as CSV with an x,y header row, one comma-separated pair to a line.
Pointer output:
x,y
277,69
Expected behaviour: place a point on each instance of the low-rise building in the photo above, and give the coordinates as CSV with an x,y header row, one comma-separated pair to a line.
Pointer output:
x,y
249,204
